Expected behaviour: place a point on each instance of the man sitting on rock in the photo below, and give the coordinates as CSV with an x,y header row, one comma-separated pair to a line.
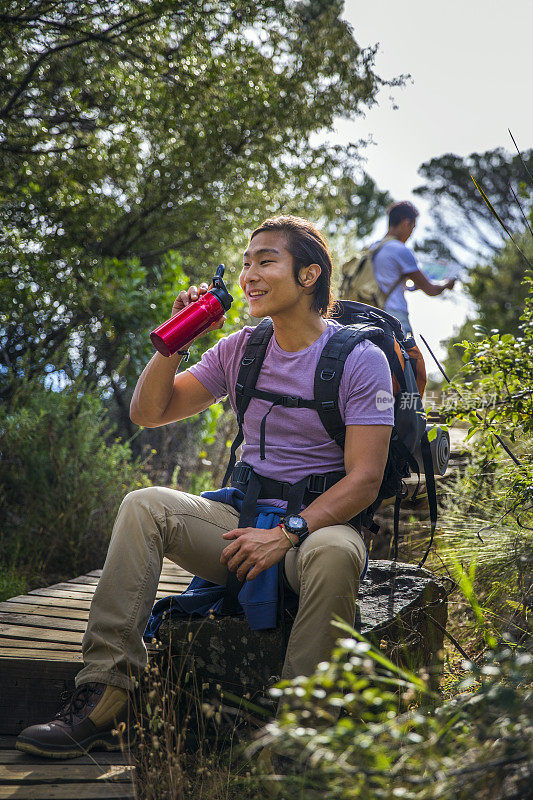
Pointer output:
x,y
286,276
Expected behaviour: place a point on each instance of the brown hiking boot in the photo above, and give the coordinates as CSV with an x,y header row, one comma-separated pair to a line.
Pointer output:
x,y
86,722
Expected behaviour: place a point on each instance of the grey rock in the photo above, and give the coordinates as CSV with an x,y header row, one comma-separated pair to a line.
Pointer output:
x,y
403,610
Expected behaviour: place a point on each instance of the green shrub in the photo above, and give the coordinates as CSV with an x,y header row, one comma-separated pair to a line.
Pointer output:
x,y
11,583
487,519
357,729
62,477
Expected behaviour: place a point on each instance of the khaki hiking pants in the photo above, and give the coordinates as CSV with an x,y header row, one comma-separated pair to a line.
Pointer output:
x,y
156,522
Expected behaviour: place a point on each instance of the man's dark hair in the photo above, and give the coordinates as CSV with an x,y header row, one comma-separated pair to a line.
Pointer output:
x,y
307,246
400,211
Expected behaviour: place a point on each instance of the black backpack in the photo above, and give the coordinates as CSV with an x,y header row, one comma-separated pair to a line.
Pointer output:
x,y
361,322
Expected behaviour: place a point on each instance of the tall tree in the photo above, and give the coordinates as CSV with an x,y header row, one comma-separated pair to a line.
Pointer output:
x,y
137,141
461,224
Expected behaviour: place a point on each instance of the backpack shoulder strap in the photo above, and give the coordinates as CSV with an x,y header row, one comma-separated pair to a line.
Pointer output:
x,y
397,282
379,245
393,287
251,363
329,371
249,370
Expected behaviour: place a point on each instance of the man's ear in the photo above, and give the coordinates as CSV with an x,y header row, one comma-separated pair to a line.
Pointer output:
x,y
309,275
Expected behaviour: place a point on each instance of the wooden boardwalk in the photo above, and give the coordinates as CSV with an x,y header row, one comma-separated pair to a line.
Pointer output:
x,y
40,654
97,776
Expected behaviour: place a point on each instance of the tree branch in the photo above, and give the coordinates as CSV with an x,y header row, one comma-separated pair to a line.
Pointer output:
x,y
174,246
6,148
65,46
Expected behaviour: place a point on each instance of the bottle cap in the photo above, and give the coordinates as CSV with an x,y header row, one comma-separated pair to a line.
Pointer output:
x,y
219,288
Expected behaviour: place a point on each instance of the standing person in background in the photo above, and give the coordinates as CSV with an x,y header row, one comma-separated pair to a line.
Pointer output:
x,y
394,263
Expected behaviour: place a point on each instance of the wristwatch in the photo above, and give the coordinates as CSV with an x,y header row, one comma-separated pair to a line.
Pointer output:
x,y
295,524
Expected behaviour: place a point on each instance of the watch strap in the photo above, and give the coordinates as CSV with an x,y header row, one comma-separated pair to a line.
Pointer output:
x,y
284,529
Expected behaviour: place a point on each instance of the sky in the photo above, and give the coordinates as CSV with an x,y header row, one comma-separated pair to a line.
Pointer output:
x,y
470,64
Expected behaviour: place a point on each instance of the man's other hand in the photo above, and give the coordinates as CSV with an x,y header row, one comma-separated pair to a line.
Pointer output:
x,y
253,550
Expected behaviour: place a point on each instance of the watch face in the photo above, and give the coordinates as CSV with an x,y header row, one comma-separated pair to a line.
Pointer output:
x,y
296,523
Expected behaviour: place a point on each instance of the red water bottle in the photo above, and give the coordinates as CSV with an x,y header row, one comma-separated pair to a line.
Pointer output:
x,y
195,318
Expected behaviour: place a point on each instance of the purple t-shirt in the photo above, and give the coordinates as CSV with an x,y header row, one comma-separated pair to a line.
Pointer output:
x,y
296,441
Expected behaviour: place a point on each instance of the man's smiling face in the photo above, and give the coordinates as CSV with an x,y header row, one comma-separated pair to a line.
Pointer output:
x,y
267,276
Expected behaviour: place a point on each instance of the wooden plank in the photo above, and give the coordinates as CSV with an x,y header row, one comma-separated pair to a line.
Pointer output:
x,y
37,621
44,611
98,790
39,655
7,643
178,582
88,589
54,602
173,569
168,566
90,583
81,588
166,573
77,596
41,634
61,772
95,757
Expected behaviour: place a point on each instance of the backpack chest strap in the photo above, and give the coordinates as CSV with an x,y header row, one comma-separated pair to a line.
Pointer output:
x,y
285,400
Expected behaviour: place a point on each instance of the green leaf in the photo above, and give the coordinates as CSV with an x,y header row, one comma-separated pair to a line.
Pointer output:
x,y
432,434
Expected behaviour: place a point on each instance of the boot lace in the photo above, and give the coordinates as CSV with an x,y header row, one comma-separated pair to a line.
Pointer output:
x,y
76,701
